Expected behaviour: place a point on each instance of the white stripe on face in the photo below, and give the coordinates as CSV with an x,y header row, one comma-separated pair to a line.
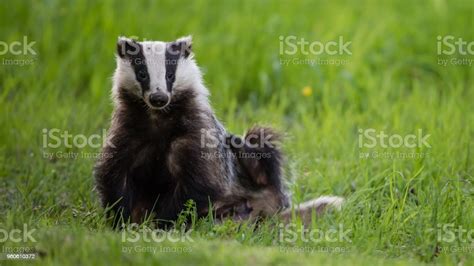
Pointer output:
x,y
155,60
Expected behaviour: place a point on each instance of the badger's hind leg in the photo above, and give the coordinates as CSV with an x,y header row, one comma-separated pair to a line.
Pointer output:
x,y
259,163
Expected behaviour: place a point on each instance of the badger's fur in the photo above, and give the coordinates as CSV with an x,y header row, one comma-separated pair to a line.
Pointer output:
x,y
165,145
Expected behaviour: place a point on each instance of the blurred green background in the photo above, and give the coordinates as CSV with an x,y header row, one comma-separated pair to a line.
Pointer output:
x,y
392,81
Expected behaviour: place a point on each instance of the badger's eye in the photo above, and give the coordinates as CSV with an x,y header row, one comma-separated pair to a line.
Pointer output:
x,y
142,75
169,76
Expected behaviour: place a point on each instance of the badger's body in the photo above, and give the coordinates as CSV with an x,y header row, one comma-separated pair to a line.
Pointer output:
x,y
165,145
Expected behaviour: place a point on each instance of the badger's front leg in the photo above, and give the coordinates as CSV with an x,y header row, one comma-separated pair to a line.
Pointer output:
x,y
110,173
199,177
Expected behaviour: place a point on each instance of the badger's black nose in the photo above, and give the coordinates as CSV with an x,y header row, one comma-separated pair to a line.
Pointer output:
x,y
158,99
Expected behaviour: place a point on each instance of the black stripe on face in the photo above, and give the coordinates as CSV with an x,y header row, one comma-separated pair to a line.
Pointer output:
x,y
133,52
140,68
172,55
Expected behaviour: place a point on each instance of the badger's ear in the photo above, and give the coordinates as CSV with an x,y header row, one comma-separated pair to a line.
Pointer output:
x,y
186,44
127,47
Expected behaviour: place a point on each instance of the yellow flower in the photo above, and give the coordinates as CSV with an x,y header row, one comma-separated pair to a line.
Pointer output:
x,y
307,91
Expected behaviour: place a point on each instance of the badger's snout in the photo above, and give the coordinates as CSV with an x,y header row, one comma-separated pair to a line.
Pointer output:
x,y
158,99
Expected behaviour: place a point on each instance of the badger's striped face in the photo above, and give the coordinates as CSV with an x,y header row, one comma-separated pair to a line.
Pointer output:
x,y
157,71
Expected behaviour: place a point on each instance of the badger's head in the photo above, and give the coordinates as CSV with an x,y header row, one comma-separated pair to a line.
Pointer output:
x,y
156,72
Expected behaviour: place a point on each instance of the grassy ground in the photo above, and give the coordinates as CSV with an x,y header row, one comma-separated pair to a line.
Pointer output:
x,y
399,211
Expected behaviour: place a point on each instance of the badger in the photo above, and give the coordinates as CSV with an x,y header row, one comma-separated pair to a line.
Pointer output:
x,y
166,147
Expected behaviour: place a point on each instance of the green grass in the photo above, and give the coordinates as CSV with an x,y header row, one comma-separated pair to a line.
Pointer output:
x,y
392,83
